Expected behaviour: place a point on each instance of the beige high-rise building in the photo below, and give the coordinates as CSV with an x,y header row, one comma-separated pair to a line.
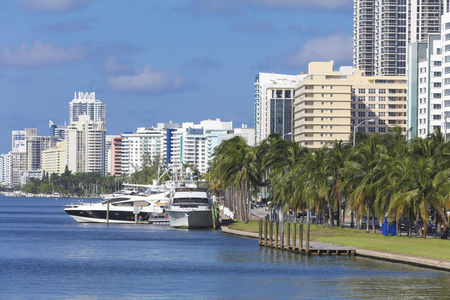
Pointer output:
x,y
85,145
54,159
329,105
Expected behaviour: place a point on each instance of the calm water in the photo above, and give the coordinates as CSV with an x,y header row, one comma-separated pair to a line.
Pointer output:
x,y
45,254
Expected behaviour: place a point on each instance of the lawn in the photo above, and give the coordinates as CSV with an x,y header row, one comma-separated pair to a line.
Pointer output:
x,y
428,248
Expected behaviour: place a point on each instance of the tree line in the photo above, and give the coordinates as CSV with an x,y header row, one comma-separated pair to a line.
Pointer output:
x,y
381,175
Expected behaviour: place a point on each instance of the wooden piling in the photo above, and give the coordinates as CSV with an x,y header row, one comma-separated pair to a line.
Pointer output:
x,y
265,233
300,233
276,234
307,239
271,234
288,235
260,229
107,213
294,240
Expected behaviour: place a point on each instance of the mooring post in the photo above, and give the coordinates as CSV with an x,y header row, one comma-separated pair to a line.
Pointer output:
x,y
288,235
265,233
307,238
276,234
294,242
300,245
107,213
260,232
271,234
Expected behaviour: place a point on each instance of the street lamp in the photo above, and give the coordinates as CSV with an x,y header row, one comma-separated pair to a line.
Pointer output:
x,y
354,129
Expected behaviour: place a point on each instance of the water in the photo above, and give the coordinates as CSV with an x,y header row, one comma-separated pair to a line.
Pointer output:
x,y
45,254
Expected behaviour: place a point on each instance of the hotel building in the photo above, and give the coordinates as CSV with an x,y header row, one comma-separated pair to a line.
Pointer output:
x,y
330,104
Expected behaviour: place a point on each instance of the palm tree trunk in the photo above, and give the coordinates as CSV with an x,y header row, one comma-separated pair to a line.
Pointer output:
x,y
368,220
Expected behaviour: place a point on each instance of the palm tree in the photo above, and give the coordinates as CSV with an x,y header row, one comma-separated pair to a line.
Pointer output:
x,y
235,164
362,171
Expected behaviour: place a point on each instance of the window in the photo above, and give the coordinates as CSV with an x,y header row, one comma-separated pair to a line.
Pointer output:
x,y
437,74
372,98
381,129
382,91
372,91
371,114
371,129
361,98
437,63
361,106
436,117
361,91
381,122
436,106
381,99
437,95
361,114
437,84
371,106
382,114
381,106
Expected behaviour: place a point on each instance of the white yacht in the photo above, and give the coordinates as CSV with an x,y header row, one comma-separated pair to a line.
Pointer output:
x,y
146,207
190,205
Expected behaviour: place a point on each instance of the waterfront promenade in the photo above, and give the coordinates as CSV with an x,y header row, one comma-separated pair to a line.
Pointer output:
x,y
437,264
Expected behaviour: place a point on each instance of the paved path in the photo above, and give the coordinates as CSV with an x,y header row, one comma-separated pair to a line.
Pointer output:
x,y
442,265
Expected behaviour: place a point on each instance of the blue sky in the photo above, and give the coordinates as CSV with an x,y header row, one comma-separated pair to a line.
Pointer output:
x,y
159,60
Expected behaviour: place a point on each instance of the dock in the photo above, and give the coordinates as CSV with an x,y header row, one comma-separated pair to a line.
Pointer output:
x,y
295,239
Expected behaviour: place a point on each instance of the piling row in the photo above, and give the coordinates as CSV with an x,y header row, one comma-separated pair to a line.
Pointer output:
x,y
289,243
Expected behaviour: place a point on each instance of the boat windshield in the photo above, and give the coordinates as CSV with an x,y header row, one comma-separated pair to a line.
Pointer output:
x,y
178,201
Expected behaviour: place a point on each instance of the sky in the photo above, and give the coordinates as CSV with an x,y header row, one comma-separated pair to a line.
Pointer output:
x,y
157,61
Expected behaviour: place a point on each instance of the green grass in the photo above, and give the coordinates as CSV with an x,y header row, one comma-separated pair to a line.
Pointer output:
x,y
428,248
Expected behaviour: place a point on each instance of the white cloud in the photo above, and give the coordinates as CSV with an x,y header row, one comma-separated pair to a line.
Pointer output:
x,y
51,5
236,6
148,81
40,54
112,65
303,4
336,47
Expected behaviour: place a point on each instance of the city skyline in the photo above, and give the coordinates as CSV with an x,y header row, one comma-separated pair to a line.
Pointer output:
x,y
187,60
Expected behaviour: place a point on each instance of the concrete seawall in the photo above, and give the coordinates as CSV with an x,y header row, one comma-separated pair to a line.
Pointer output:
x,y
436,264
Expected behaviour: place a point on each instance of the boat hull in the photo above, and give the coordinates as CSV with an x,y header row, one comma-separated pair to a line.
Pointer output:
x,y
99,216
190,219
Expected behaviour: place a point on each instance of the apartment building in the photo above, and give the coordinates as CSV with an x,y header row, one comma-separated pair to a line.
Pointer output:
x,y
330,105
273,104
85,145
382,30
54,159
86,104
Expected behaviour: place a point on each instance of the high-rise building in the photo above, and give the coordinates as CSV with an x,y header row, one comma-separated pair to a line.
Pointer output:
x,y
54,159
57,130
274,102
85,145
86,104
382,30
429,83
330,105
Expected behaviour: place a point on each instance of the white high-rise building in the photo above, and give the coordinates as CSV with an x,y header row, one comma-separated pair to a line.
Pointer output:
x,y
382,30
86,104
429,83
274,104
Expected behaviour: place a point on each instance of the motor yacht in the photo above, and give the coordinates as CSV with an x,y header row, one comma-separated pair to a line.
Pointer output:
x,y
124,208
190,205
